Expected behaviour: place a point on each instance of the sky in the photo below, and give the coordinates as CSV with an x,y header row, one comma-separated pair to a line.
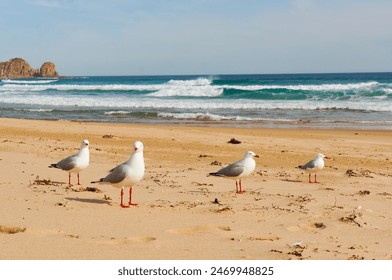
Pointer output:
x,y
191,37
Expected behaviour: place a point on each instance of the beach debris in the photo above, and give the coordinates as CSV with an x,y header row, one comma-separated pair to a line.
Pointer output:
x,y
356,257
262,173
361,173
276,251
204,156
319,225
234,141
216,163
224,209
269,238
11,230
283,174
385,194
44,182
351,218
92,189
106,197
61,204
216,201
88,189
304,198
297,249
364,192
108,136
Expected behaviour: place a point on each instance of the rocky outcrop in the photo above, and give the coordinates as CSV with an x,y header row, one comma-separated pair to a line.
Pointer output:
x,y
18,68
48,70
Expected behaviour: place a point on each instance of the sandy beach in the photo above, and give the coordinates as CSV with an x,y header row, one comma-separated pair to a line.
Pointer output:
x,y
182,212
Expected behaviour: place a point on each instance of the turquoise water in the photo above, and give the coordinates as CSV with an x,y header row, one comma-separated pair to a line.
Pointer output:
x,y
346,100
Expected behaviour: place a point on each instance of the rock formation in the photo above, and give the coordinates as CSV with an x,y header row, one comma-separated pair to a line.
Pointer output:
x,y
18,68
48,70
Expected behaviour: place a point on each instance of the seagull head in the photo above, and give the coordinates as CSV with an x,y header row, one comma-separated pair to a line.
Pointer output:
x,y
138,146
85,143
321,156
250,154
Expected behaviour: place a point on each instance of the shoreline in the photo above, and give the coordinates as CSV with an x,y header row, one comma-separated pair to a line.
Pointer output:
x,y
280,216
301,124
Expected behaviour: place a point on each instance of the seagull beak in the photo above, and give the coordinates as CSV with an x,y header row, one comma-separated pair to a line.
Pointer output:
x,y
135,149
327,158
257,156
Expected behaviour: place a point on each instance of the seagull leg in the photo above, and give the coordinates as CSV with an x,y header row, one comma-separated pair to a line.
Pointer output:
x,y
78,179
122,197
315,178
310,181
130,198
240,190
69,179
236,186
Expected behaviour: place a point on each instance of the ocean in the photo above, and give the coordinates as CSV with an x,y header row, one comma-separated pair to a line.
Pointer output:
x,y
343,100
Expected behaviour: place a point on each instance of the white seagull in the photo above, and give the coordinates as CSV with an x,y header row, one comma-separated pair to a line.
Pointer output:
x,y
238,170
127,173
76,162
313,166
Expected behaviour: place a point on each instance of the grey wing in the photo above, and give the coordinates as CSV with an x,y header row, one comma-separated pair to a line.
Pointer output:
x,y
116,175
309,165
67,163
233,170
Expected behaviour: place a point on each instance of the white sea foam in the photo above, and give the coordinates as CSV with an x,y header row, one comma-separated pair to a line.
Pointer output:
x,y
35,110
198,88
322,87
28,82
195,82
201,116
124,103
117,112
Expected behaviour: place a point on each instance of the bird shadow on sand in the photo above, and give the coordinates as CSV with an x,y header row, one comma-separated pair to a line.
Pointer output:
x,y
89,200
291,181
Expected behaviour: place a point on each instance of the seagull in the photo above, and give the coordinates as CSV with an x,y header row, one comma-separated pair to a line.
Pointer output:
x,y
238,169
76,162
127,173
313,166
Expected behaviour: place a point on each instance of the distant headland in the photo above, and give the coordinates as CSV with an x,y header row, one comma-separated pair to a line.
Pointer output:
x,y
18,68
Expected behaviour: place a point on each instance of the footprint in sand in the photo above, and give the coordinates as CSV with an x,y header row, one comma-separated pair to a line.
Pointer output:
x,y
198,229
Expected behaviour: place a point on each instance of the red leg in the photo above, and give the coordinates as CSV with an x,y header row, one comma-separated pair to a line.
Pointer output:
x,y
78,179
69,179
130,198
240,184
122,197
310,181
315,178
236,186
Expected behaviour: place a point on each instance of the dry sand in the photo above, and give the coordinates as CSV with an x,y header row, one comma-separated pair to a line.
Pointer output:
x,y
183,213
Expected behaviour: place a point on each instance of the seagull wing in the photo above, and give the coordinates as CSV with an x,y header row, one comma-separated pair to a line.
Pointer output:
x,y
116,175
232,170
67,163
310,165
